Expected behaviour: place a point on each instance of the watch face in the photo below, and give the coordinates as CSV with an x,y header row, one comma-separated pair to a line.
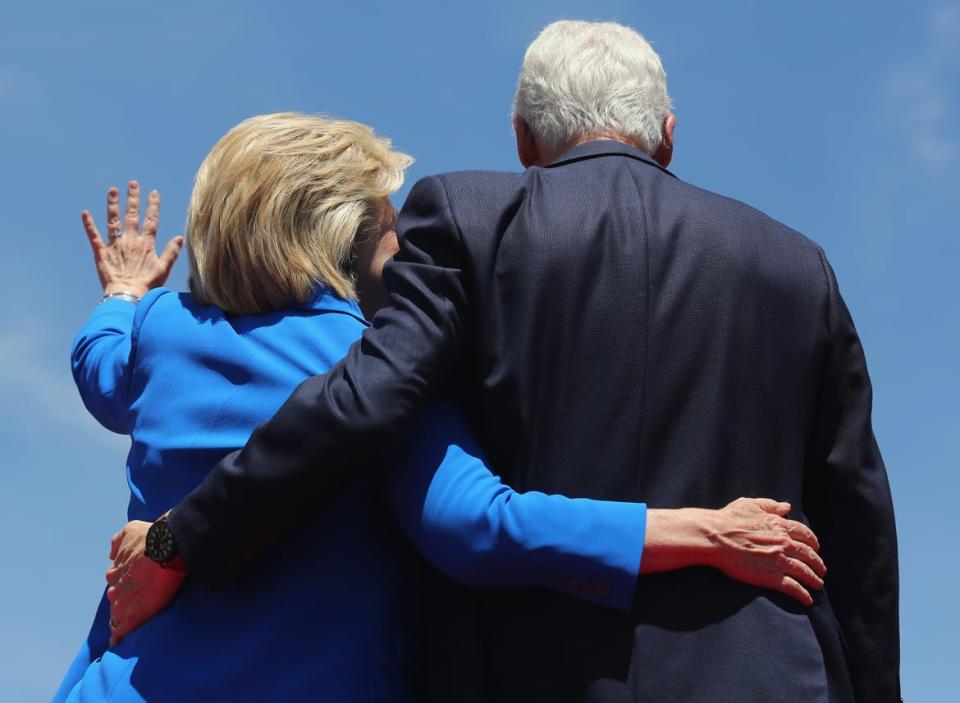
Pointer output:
x,y
160,546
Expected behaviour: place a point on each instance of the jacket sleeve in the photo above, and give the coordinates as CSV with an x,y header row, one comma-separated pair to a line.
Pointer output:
x,y
847,498
339,424
482,533
100,360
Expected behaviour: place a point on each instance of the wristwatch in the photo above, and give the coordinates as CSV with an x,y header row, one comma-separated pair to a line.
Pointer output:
x,y
160,546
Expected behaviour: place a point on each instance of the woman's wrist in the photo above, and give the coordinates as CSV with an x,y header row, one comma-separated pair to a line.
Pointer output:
x,y
677,538
122,296
132,287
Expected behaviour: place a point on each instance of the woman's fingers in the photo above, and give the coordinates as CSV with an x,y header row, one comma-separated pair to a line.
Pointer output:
x,y
796,530
801,533
128,257
800,572
168,256
769,505
113,213
792,588
93,234
152,216
803,552
131,223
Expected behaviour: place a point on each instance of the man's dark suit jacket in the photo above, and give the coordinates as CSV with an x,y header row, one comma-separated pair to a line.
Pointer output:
x,y
617,334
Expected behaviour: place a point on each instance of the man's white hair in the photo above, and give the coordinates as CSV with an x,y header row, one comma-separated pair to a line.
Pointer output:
x,y
581,79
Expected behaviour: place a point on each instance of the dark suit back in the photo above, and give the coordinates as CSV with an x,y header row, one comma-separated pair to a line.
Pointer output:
x,y
633,337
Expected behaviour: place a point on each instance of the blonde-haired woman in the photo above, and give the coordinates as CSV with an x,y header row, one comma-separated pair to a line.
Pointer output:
x,y
288,231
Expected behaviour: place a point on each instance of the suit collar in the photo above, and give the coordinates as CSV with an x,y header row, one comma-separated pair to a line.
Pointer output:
x,y
604,147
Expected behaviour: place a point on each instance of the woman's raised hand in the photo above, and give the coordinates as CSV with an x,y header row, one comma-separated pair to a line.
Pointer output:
x,y
128,262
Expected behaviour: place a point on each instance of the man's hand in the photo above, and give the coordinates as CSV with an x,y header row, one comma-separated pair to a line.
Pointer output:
x,y
749,540
139,587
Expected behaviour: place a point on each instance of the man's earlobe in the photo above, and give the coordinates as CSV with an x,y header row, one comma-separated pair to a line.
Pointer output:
x,y
664,153
527,149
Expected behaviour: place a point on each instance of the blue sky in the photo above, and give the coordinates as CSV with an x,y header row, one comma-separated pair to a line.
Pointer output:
x,y
840,120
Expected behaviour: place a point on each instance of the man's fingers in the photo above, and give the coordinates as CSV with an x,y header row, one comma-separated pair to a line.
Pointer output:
x,y
131,223
802,533
792,588
113,624
124,619
121,583
115,544
119,629
152,216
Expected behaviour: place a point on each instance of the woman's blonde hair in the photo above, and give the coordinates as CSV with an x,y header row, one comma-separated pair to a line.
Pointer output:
x,y
277,206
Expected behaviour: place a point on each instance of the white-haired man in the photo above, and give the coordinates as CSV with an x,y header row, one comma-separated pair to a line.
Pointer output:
x,y
614,333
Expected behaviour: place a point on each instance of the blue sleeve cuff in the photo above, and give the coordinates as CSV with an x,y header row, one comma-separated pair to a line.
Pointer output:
x,y
609,548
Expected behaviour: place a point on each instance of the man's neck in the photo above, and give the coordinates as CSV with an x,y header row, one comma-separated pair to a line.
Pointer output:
x,y
549,156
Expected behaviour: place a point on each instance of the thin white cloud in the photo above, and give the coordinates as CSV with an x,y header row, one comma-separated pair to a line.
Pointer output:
x,y
923,92
43,388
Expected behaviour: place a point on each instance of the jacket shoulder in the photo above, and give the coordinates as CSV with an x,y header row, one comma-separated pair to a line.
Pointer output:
x,y
169,324
703,205
480,179
163,310
484,188
735,241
